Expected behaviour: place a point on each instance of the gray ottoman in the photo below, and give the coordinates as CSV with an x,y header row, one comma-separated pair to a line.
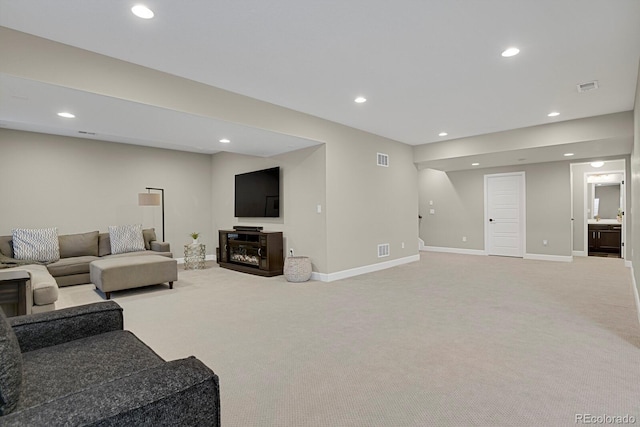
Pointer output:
x,y
118,273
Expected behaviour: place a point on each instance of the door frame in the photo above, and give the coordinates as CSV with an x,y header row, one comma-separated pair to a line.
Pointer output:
x,y
623,197
523,211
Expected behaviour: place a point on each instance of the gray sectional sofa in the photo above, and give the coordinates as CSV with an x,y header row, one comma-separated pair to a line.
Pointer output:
x,y
78,367
77,251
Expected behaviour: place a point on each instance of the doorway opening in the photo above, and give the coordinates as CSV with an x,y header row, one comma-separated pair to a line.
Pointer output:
x,y
599,203
605,211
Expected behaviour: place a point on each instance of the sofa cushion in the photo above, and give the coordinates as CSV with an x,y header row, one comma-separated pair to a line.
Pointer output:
x,y
10,367
104,244
82,244
38,244
69,266
126,238
6,246
149,235
160,246
43,286
93,360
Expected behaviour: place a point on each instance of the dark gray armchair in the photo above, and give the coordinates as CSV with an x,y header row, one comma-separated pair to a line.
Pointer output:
x,y
78,367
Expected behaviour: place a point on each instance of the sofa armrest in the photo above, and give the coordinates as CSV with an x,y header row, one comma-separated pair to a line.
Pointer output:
x,y
180,392
160,246
40,330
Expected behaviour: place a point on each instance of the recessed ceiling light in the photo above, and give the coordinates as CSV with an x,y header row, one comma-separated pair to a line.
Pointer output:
x,y
475,164
443,134
142,11
568,154
225,140
67,115
360,99
512,51
553,114
597,164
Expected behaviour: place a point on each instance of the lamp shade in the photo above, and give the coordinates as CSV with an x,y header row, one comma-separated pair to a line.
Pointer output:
x,y
148,199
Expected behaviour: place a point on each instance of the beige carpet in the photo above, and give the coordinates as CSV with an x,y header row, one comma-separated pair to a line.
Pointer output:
x,y
449,340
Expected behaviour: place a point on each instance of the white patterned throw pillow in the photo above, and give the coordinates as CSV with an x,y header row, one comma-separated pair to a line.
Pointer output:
x,y
126,238
37,244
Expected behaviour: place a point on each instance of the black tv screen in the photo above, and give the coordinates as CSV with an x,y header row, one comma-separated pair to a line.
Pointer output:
x,y
258,194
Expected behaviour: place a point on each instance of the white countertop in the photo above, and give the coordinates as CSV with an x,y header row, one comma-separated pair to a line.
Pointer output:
x,y
603,221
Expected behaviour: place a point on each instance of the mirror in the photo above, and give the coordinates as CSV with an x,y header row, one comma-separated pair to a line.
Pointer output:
x,y
605,196
606,200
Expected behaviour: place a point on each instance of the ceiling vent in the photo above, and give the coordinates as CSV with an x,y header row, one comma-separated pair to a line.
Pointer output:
x,y
383,160
589,86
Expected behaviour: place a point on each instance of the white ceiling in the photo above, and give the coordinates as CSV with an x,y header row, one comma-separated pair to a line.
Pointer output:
x,y
33,106
424,66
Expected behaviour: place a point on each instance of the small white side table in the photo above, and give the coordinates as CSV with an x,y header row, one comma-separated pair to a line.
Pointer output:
x,y
194,256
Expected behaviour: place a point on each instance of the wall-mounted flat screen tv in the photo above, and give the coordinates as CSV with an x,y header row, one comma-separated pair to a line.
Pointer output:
x,y
257,194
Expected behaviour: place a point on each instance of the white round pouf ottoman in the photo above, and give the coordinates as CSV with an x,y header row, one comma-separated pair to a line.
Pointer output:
x,y
297,268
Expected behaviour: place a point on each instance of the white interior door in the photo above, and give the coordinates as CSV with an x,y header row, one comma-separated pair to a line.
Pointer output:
x,y
504,214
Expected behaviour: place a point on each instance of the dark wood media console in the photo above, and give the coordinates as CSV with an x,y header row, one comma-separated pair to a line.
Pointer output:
x,y
254,252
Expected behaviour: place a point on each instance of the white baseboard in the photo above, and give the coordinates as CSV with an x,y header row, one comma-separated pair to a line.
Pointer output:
x,y
542,257
321,277
579,253
330,277
454,250
634,285
207,258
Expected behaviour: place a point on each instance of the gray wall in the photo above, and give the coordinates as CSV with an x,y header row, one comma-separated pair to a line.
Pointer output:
x,y
365,205
82,185
303,187
362,204
458,200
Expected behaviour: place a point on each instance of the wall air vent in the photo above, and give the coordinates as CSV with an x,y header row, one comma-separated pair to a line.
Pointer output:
x,y
383,250
588,86
383,160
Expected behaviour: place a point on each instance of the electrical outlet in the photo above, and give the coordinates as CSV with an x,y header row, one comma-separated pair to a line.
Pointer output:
x,y
432,211
545,242
430,202
464,238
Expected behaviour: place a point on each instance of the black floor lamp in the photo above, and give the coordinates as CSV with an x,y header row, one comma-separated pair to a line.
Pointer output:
x,y
153,199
